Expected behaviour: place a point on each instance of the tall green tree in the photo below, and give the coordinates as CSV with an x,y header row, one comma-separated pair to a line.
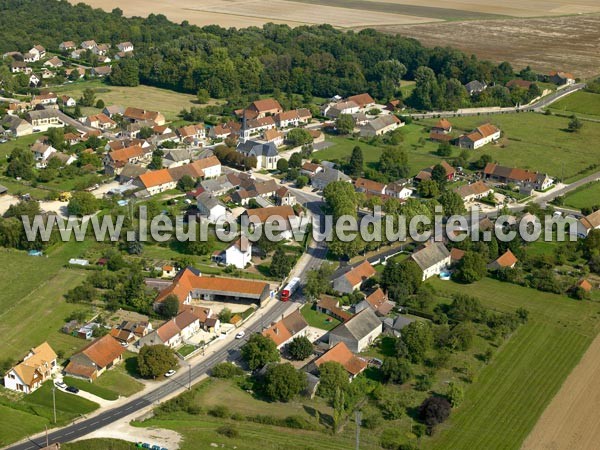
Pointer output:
x,y
259,350
355,166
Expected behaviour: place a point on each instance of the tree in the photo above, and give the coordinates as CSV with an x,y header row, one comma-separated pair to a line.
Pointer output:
x,y
434,410
472,267
396,370
466,308
452,203
125,72
156,360
575,124
82,203
438,174
100,104
282,165
225,315
332,376
483,161
295,160
393,163
428,189
88,97
259,350
226,370
355,166
401,278
444,149
344,124
301,181
145,133
283,382
298,137
317,281
156,162
20,164
170,307
186,183
418,338
203,96
281,264
300,348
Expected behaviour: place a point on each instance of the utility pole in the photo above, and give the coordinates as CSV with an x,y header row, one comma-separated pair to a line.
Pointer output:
x,y
358,418
54,402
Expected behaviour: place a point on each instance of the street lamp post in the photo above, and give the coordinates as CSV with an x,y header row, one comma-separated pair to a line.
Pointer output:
x,y
54,402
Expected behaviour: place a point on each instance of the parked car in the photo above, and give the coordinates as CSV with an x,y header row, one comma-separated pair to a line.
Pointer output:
x,y
156,447
60,385
170,373
72,389
240,335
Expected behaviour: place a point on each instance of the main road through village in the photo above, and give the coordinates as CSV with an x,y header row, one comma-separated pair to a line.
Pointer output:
x,y
268,313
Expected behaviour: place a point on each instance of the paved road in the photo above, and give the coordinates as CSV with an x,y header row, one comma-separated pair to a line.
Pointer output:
x,y
538,106
311,260
566,189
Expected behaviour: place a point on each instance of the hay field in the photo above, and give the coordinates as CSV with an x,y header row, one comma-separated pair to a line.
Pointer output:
x,y
244,13
567,43
571,419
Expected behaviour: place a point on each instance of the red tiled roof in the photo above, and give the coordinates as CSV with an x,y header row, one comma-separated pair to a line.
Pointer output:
x,y
360,273
103,351
341,354
361,99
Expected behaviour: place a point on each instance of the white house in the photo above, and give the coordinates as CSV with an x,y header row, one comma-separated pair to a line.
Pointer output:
x,y
37,366
125,47
288,328
210,207
473,191
42,153
380,125
433,259
479,137
239,254
358,332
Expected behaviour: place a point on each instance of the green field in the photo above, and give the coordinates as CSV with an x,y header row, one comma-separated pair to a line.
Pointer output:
x,y
419,157
585,196
26,415
503,405
581,103
168,102
199,431
32,307
538,142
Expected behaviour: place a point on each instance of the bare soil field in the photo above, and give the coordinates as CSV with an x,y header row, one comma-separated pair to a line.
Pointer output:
x,y
567,43
244,13
571,420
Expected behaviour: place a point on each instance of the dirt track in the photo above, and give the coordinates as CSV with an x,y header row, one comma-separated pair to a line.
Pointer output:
x,y
571,420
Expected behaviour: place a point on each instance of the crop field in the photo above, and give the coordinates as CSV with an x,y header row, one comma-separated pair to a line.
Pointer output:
x,y
503,405
566,43
538,142
145,97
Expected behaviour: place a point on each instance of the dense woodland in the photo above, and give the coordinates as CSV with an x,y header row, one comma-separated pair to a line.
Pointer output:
x,y
312,61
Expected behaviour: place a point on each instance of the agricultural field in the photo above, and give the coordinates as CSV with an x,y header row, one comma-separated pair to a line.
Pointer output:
x,y
584,104
586,196
145,97
537,142
32,308
568,42
503,405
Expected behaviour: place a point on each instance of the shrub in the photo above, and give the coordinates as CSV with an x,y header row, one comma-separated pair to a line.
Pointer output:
x,y
220,411
229,431
226,370
434,410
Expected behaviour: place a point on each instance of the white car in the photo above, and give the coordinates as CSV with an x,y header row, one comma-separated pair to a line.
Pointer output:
x,y
170,373
240,335
60,385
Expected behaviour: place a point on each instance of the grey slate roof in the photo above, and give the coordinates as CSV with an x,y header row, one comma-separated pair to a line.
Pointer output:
x,y
430,255
259,148
358,326
328,175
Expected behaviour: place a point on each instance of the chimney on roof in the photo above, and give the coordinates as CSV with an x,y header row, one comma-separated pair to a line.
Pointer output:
x,y
276,330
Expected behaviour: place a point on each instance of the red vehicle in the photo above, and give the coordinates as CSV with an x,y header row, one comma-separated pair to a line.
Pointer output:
x,y
289,289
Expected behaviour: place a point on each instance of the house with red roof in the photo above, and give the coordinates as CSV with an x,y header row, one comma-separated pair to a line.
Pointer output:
x,y
285,330
353,278
482,135
96,358
341,354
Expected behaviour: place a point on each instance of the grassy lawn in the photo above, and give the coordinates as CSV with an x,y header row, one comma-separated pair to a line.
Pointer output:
x,y
585,196
145,97
537,142
199,431
119,381
503,405
32,308
186,350
99,444
92,388
419,156
318,319
21,142
584,103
